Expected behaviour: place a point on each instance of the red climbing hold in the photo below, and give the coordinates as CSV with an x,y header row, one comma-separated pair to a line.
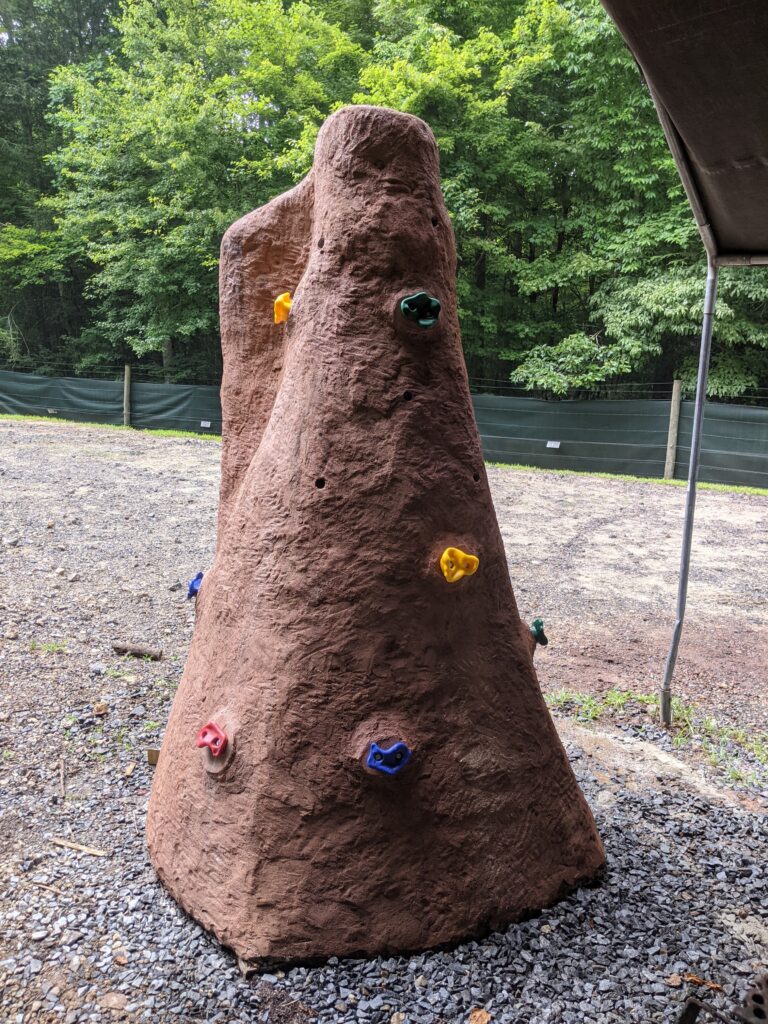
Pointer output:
x,y
214,738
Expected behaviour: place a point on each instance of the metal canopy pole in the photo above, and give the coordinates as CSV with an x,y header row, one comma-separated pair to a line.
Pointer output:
x,y
715,260
710,296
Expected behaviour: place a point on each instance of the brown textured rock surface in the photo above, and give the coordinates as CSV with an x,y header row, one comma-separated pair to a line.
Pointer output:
x,y
325,622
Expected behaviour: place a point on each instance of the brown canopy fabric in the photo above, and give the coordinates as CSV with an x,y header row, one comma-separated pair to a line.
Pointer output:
x,y
706,64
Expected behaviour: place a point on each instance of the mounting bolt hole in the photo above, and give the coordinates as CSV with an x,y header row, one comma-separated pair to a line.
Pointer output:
x,y
475,477
407,396
435,222
320,243
320,482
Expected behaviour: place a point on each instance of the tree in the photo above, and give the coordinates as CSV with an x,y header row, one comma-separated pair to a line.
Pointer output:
x,y
579,261
41,285
579,257
205,112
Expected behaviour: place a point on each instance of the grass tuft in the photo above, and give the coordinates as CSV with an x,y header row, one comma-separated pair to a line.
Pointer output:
x,y
701,484
723,746
159,432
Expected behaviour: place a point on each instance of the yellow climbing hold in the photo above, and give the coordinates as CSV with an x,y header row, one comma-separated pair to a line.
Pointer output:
x,y
282,307
457,564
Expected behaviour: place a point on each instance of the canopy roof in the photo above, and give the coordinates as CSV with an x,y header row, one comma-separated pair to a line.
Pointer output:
x,y
706,64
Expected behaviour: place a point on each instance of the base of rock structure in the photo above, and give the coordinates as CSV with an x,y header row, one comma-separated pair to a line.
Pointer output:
x,y
483,929
359,759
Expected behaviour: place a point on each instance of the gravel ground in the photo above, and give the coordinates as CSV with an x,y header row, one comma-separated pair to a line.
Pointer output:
x,y
102,529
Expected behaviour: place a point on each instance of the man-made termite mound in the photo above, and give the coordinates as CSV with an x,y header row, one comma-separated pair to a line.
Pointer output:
x,y
379,771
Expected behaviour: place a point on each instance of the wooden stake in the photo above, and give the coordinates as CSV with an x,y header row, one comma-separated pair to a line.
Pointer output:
x,y
127,395
674,423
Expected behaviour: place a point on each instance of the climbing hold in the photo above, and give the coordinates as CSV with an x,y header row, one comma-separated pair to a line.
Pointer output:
x,y
283,305
214,738
456,564
422,308
194,586
389,760
537,630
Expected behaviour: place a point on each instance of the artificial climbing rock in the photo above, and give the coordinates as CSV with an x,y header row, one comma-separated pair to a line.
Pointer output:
x,y
391,779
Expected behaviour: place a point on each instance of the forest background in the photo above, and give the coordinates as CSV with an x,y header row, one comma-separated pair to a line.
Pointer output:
x,y
132,134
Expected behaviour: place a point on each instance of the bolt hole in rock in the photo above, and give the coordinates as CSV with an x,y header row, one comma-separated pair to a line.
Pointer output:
x,y
407,396
435,222
320,483
320,243
475,477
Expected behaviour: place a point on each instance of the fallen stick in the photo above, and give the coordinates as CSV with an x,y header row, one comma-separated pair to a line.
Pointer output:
x,y
79,847
50,888
138,651
62,782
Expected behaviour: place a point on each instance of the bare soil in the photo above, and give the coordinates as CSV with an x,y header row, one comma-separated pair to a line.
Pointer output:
x,y
598,559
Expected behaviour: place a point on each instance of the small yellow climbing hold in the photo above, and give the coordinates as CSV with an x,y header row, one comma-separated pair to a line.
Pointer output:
x,y
457,564
282,307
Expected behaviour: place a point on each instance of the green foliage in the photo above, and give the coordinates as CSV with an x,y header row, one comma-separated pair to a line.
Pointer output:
x,y
579,261
204,113
41,303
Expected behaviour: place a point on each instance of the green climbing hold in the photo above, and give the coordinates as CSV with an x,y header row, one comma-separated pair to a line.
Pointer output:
x,y
537,629
422,308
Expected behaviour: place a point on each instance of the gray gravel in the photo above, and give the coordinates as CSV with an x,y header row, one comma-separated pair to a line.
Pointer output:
x,y
129,518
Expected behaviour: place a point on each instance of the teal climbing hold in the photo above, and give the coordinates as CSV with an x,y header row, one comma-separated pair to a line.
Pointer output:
x,y
421,308
537,629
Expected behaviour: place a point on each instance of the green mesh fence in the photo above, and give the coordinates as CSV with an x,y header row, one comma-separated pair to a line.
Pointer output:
x,y
610,436
167,406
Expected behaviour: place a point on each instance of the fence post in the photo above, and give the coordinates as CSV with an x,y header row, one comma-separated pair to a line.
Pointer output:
x,y
127,395
674,423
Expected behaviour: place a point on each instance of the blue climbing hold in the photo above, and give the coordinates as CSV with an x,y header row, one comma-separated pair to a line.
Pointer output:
x,y
194,586
389,760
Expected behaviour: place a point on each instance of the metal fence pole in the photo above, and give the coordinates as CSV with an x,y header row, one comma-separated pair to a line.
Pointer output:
x,y
710,296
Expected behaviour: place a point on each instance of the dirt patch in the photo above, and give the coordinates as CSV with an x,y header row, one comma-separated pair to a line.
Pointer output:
x,y
598,560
